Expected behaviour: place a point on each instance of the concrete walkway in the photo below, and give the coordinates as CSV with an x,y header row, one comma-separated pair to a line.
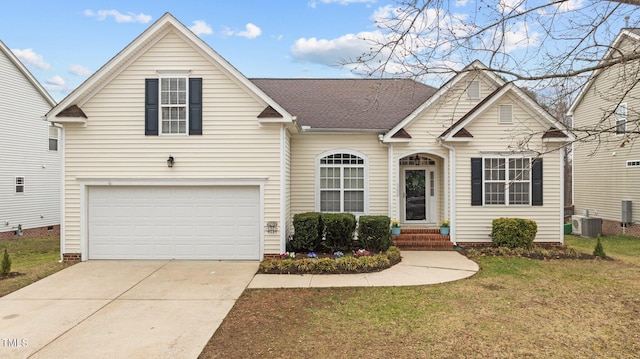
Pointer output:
x,y
416,268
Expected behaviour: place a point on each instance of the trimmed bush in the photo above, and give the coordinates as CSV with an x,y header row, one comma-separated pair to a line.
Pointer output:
x,y
374,233
5,268
308,232
338,230
513,232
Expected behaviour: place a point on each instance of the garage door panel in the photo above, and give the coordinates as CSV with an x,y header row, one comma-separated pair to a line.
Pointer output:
x,y
174,222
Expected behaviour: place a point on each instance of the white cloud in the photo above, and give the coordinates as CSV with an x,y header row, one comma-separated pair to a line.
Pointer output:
x,y
314,3
570,5
517,37
251,31
200,27
55,81
118,16
29,57
461,3
79,70
332,52
57,84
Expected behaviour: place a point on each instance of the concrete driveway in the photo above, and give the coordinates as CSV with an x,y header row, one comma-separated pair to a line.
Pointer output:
x,y
122,309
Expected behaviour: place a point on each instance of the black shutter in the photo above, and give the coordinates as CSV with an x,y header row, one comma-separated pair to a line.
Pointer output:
x,y
195,106
536,182
476,181
151,107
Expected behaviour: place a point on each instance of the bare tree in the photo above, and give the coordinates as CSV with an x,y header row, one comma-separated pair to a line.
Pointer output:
x,y
549,46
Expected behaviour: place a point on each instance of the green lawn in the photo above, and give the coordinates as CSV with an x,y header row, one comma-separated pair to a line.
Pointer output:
x,y
35,258
514,307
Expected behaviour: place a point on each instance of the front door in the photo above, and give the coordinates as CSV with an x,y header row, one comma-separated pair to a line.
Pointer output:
x,y
419,192
416,184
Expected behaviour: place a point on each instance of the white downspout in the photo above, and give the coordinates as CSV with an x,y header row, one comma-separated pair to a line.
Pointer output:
x,y
284,206
62,192
452,183
389,175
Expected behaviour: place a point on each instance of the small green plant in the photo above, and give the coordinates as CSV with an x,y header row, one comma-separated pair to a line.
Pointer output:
x,y
598,251
444,223
5,268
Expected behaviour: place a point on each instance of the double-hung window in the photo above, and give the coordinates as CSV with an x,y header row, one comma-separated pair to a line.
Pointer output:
x,y
19,184
173,105
342,183
621,118
54,133
507,181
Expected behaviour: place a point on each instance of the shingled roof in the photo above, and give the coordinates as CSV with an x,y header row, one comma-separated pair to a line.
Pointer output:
x,y
360,104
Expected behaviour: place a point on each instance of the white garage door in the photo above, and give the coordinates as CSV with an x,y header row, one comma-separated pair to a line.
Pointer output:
x,y
182,222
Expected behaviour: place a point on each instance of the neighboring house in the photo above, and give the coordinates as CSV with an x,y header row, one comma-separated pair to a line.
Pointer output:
x,y
170,152
606,168
30,170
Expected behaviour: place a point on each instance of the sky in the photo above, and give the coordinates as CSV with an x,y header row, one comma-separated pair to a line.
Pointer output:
x,y
63,42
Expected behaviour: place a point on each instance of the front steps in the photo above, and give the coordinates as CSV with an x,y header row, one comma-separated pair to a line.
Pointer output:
x,y
422,239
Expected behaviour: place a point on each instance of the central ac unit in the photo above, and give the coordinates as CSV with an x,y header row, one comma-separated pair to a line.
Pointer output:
x,y
576,224
591,227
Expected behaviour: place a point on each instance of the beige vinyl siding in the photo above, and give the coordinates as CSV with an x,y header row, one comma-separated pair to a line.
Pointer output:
x,y
305,148
24,145
601,178
113,144
473,223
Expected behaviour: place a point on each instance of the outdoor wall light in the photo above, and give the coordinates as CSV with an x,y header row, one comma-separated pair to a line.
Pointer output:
x,y
170,161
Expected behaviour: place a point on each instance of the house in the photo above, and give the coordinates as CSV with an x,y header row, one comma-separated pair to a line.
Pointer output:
x,y
30,174
606,168
170,152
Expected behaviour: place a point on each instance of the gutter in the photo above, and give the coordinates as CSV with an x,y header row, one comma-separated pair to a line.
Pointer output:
x,y
368,130
452,182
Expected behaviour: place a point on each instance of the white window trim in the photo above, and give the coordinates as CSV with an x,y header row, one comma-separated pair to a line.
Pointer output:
x,y
169,75
622,117
469,83
633,163
23,184
507,181
57,138
366,178
500,119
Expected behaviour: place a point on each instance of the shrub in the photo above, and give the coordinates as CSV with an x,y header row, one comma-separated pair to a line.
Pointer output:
x,y
326,265
393,253
308,232
598,251
338,230
347,263
373,233
5,267
513,232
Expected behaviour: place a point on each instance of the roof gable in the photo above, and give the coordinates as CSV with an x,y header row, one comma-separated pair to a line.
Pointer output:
x,y
137,48
475,67
554,130
633,34
26,73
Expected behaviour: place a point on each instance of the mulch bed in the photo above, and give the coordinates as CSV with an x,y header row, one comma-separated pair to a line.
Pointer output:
x,y
561,252
11,275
